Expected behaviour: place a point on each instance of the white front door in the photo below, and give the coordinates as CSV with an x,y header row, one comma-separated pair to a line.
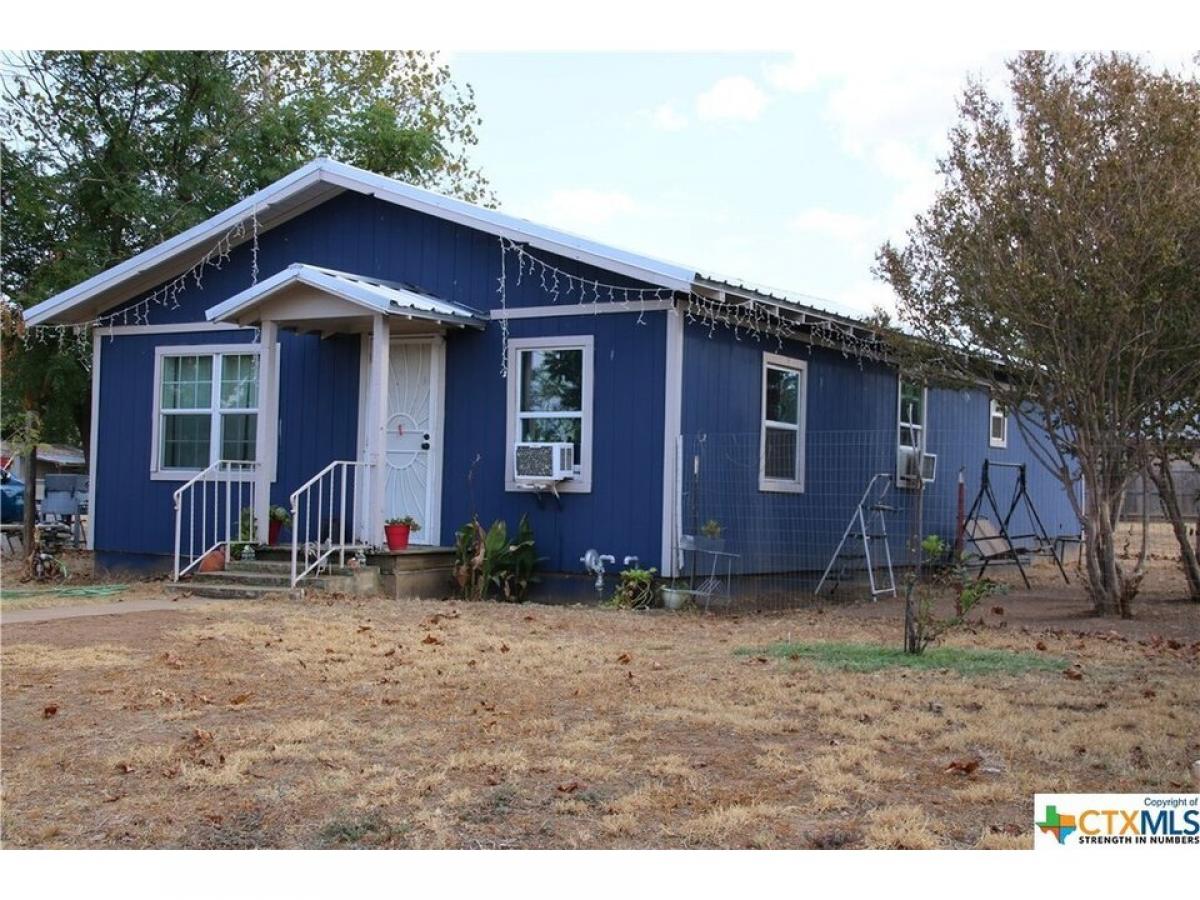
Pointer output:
x,y
412,451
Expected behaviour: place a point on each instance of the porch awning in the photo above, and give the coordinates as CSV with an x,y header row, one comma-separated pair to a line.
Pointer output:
x,y
312,298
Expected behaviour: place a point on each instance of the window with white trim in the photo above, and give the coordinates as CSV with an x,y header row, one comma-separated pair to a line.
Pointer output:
x,y
781,441
206,408
997,425
911,434
550,400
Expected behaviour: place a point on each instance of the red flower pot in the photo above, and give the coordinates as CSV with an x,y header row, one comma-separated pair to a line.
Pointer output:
x,y
397,537
214,561
273,531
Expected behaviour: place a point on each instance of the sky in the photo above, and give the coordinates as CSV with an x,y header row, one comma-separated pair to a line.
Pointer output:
x,y
782,170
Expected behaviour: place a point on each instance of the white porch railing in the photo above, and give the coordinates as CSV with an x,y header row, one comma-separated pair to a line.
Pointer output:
x,y
321,535
215,508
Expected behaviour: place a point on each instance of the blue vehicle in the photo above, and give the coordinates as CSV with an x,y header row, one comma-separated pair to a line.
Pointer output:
x,y
12,499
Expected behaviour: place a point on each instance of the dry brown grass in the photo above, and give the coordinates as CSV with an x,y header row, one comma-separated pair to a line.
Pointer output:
x,y
439,725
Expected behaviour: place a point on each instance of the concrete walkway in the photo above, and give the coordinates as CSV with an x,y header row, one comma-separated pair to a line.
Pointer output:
x,y
115,608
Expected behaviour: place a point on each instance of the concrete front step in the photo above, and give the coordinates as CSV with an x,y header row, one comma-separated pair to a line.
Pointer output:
x,y
248,579
220,591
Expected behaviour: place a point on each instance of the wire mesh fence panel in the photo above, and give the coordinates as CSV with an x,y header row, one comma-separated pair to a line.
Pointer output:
x,y
761,522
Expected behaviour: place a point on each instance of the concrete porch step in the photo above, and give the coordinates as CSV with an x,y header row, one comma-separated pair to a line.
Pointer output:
x,y
221,591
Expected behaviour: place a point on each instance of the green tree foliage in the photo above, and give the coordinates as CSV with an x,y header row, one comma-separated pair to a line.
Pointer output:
x,y
107,153
1064,245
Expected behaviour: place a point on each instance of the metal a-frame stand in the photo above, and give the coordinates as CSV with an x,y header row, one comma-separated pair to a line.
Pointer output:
x,y
867,525
1020,495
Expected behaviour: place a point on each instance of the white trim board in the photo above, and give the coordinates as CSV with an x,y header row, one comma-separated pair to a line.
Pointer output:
x,y
584,342
265,455
172,328
94,442
784,485
579,309
672,424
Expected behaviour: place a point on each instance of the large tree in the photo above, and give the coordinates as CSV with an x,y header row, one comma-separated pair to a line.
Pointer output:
x,y
107,153
1060,265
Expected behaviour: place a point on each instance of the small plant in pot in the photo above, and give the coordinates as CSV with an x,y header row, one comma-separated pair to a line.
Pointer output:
x,y
711,536
280,518
676,594
398,531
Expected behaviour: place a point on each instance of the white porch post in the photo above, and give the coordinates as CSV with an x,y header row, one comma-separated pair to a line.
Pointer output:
x,y
264,438
377,426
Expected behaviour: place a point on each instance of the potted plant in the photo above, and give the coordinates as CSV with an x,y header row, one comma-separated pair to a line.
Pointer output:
x,y
398,530
280,518
710,536
675,594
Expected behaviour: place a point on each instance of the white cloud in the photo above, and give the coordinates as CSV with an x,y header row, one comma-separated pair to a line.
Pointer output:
x,y
862,297
736,98
582,208
831,223
796,76
665,117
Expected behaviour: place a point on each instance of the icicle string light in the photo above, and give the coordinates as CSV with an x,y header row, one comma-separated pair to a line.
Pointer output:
x,y
167,295
743,320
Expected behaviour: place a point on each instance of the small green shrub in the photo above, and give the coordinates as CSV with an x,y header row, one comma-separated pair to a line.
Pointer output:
x,y
487,562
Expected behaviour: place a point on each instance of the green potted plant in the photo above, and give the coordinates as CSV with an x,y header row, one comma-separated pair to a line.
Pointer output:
x,y
398,531
710,537
279,519
676,594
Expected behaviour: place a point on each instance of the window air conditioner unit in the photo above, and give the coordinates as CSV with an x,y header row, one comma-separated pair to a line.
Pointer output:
x,y
540,462
908,466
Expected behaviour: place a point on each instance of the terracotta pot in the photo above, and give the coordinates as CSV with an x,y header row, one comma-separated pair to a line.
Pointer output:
x,y
214,561
397,537
273,530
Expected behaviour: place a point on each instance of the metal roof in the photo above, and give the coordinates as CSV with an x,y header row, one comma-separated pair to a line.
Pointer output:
x,y
322,179
373,294
301,190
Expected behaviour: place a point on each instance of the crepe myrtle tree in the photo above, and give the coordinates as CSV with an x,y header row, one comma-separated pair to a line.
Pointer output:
x,y
1059,265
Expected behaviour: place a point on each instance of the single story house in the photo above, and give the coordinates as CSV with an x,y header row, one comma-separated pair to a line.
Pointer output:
x,y
376,350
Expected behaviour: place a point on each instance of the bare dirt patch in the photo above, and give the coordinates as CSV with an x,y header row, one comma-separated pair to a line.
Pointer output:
x,y
423,724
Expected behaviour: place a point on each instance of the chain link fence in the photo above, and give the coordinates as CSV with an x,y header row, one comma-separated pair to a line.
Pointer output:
x,y
770,524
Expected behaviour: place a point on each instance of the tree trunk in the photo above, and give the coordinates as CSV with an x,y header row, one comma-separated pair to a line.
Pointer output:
x,y
1164,480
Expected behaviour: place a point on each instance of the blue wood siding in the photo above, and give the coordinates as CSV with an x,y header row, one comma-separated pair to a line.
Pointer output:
x,y
851,434
319,422
623,512
320,381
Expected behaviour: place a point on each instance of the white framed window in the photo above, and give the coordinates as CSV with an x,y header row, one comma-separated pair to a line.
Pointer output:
x,y
997,425
206,406
912,424
550,399
781,438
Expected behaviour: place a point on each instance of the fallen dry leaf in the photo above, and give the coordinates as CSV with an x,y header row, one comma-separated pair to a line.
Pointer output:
x,y
1041,645
569,788
431,639
1073,674
964,766
50,711
239,699
624,659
